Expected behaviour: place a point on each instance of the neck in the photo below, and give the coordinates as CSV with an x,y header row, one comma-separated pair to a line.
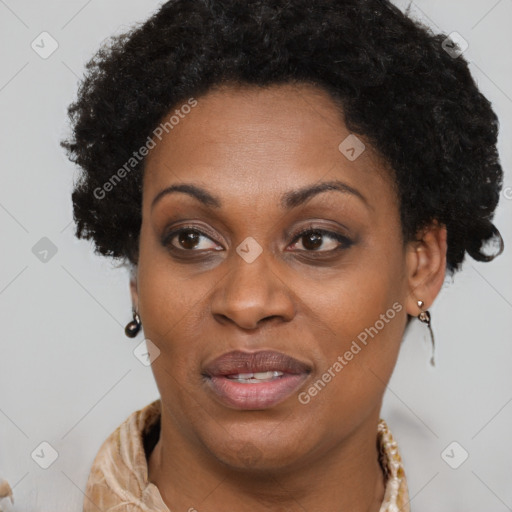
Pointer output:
x,y
346,477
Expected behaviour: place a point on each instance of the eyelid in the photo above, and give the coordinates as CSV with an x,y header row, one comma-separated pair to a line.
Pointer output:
x,y
323,231
316,225
191,226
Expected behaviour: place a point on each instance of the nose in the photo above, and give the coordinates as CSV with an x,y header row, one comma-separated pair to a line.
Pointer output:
x,y
252,294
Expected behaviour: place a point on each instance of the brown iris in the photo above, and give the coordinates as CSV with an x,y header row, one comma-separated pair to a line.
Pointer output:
x,y
312,241
188,239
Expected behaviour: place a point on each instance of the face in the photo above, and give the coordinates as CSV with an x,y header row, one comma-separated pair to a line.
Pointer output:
x,y
269,238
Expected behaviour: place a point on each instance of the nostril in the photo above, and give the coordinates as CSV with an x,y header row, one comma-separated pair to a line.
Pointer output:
x,y
268,319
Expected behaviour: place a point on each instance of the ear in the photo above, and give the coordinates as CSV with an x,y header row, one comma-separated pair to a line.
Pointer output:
x,y
426,266
134,287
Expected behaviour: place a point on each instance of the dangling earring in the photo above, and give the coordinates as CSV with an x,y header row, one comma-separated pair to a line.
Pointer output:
x,y
424,317
132,328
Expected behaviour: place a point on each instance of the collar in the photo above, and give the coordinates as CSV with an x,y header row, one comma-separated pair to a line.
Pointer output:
x,y
119,474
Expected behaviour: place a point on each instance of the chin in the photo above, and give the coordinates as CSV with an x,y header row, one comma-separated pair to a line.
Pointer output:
x,y
259,449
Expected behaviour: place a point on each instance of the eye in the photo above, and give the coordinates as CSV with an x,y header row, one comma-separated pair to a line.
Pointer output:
x,y
320,240
192,239
189,239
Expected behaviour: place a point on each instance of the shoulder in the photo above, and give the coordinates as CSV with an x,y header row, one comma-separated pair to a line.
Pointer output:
x,y
119,473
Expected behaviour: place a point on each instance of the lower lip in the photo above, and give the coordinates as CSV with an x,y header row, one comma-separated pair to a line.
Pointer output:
x,y
255,396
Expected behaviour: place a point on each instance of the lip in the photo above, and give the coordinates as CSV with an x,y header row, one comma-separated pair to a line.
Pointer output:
x,y
254,396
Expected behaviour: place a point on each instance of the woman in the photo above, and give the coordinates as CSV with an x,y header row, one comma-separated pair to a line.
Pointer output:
x,y
289,183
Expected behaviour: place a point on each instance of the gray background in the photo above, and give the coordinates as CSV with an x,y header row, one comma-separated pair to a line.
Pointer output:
x,y
68,375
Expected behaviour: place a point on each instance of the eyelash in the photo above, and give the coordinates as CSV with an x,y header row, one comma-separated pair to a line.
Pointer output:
x,y
344,241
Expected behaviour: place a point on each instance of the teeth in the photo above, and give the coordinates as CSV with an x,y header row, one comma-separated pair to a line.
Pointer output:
x,y
255,377
242,376
267,375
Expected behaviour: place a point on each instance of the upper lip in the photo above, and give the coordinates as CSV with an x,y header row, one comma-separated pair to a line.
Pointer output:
x,y
238,361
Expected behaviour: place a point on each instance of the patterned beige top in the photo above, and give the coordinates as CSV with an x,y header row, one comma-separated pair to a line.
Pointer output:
x,y
118,480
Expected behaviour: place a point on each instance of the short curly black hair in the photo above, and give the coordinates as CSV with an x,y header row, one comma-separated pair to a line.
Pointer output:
x,y
398,85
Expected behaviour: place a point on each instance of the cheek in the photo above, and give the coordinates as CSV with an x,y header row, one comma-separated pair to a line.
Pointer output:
x,y
360,320
363,326
354,298
167,300
354,367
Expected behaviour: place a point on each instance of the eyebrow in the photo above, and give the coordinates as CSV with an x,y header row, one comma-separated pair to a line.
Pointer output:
x,y
290,199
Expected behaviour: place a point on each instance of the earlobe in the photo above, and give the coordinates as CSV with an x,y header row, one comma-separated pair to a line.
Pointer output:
x,y
133,327
134,287
426,266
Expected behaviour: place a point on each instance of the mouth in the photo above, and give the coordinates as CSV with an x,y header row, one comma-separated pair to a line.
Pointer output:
x,y
254,380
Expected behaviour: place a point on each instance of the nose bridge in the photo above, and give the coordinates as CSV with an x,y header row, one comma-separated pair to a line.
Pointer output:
x,y
252,291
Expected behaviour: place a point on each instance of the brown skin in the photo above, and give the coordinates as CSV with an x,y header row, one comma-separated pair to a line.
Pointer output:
x,y
248,147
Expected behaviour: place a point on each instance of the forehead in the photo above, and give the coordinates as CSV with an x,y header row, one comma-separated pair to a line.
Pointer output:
x,y
250,139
